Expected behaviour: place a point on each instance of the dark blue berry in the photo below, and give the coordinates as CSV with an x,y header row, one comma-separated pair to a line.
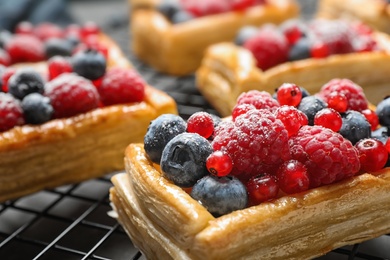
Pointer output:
x,y
310,105
183,160
168,8
220,195
90,64
56,46
382,134
244,34
181,17
37,108
383,112
24,82
5,36
160,132
355,126
300,50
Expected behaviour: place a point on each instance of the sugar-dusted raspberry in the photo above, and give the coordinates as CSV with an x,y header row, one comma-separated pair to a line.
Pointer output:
x,y
46,30
353,92
71,94
11,113
240,109
269,47
121,85
328,156
58,65
25,48
259,99
256,141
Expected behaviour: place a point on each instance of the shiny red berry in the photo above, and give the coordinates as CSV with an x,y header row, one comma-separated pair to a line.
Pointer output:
x,y
289,94
241,5
240,109
337,101
201,123
262,188
329,118
293,177
58,65
219,163
373,154
319,50
371,117
292,118
7,73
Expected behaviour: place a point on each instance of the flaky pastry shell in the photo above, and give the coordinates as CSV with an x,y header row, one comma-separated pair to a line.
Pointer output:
x,y
375,13
164,222
228,70
69,150
178,49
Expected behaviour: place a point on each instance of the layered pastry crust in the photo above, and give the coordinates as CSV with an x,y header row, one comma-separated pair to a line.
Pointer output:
x,y
74,149
164,222
228,70
178,49
376,13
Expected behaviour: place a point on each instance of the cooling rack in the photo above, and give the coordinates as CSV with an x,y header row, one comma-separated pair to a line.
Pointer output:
x,y
72,221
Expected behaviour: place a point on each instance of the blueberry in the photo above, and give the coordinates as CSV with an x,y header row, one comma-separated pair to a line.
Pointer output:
x,y
5,36
244,34
160,132
220,195
24,82
300,50
37,108
168,8
355,126
56,46
383,112
310,105
181,17
183,159
382,134
89,64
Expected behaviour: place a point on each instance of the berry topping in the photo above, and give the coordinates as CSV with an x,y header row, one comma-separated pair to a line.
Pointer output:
x,y
269,47
121,85
371,117
160,132
11,113
256,142
383,112
262,188
240,109
183,160
201,123
244,34
354,93
219,163
292,118
328,118
71,94
220,195
45,31
289,94
259,99
293,30
373,154
57,46
24,82
310,105
5,59
25,48
327,156
37,108
355,126
338,101
89,63
293,177
58,65
300,50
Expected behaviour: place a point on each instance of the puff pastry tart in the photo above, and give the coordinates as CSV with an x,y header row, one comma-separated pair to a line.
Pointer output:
x,y
69,149
177,48
376,13
228,69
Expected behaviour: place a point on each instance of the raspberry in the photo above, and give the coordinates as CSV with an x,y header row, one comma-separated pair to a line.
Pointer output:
x,y
269,47
201,123
45,31
354,93
257,142
71,94
25,48
58,65
327,155
121,85
240,109
11,113
259,99
373,154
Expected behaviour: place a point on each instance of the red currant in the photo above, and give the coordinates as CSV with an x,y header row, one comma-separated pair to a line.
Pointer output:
x,y
292,118
293,177
241,109
319,50
201,123
89,28
262,188
373,154
371,117
338,101
329,118
289,94
219,163
58,65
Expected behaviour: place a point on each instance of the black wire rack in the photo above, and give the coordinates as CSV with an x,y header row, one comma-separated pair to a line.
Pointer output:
x,y
73,221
